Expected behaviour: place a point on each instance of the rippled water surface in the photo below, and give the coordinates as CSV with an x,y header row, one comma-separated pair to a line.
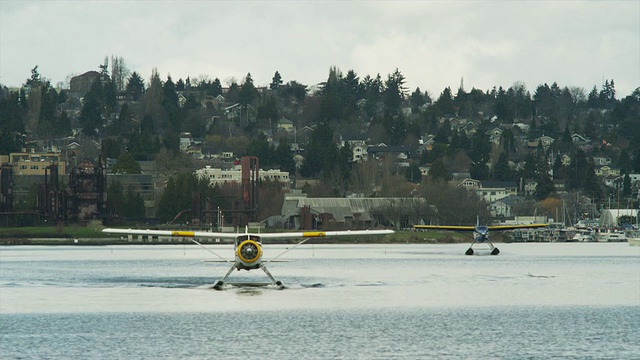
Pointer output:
x,y
341,301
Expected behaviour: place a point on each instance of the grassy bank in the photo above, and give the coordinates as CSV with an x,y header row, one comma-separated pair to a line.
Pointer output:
x,y
50,232
93,235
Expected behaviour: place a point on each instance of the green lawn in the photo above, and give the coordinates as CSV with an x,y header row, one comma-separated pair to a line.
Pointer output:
x,y
48,231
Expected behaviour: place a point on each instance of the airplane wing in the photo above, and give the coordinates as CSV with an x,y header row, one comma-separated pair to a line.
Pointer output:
x,y
171,233
519,226
445,227
473,228
226,235
311,234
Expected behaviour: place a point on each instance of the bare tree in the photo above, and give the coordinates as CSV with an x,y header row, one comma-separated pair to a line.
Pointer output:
x,y
119,72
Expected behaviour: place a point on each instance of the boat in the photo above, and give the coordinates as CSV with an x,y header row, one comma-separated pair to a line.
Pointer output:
x,y
608,235
633,238
584,237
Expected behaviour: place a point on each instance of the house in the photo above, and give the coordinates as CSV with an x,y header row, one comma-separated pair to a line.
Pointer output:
x,y
524,128
359,153
426,143
579,139
606,171
495,135
285,124
217,176
504,207
82,83
354,139
469,184
491,191
545,140
381,151
35,163
181,100
301,212
601,161
212,102
530,187
468,128
185,141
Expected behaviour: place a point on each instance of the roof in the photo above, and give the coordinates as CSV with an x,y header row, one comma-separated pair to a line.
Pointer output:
x,y
342,208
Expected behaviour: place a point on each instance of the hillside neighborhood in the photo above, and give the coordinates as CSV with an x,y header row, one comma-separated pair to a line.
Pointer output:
x,y
344,154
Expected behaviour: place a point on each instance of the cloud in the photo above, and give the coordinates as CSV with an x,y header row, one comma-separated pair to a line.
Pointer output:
x,y
433,43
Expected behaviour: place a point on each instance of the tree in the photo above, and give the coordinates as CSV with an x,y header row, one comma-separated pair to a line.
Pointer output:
x,y
438,172
134,205
115,199
248,92
47,113
153,99
135,87
445,104
90,115
394,92
171,106
577,170
502,171
413,173
417,99
321,153
119,73
126,164
545,187
268,112
284,158
332,97
591,185
276,81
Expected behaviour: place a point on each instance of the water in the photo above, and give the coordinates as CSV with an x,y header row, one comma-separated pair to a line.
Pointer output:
x,y
533,301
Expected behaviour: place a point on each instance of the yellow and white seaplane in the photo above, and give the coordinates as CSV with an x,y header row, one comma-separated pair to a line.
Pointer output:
x,y
480,233
247,246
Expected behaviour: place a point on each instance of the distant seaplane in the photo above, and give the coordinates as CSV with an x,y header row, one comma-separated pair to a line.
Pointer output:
x,y
247,246
480,233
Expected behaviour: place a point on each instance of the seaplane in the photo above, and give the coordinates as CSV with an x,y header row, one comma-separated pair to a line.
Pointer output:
x,y
479,233
248,248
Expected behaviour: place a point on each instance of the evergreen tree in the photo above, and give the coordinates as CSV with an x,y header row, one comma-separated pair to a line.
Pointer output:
x,y
445,104
577,170
115,199
260,148
171,106
624,162
321,153
502,171
135,87
332,97
276,81
394,92
248,92
372,88
591,185
268,114
284,158
126,164
438,172
134,205
47,114
545,187
626,186
90,115
413,173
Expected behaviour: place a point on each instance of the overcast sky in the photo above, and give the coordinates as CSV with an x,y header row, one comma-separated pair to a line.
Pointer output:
x,y
434,44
